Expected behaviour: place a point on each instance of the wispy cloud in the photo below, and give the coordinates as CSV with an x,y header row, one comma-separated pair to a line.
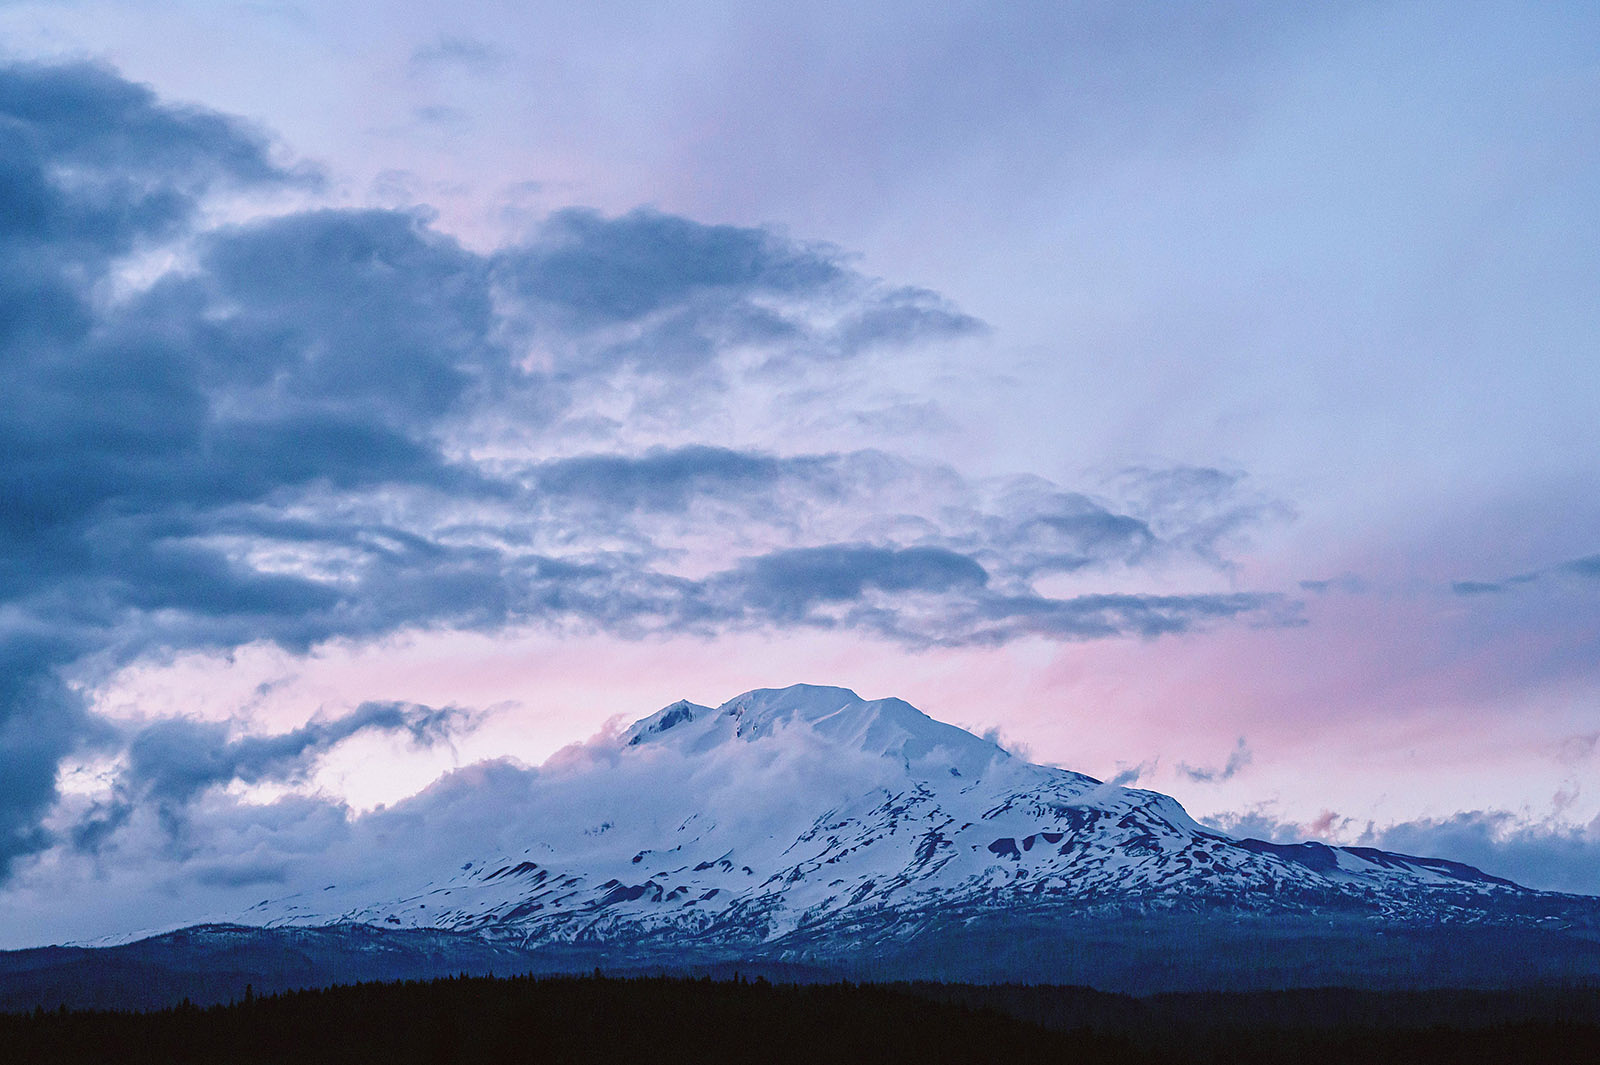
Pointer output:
x,y
452,51
1239,759
1582,569
1127,776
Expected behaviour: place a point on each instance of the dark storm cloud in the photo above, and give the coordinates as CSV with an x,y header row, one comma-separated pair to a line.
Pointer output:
x,y
90,163
315,351
41,721
330,297
273,440
91,168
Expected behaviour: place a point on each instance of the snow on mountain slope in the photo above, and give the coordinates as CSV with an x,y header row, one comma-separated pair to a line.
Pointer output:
x,y
808,811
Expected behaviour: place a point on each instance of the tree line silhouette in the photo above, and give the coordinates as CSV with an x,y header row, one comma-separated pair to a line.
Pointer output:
x,y
503,1020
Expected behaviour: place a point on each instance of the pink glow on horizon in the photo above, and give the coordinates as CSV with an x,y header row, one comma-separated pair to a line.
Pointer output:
x,y
1351,727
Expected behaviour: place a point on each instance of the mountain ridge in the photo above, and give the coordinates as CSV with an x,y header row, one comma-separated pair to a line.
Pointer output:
x,y
813,834
705,827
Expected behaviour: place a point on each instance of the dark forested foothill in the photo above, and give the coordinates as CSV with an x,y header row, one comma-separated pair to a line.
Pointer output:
x,y
528,1019
659,1019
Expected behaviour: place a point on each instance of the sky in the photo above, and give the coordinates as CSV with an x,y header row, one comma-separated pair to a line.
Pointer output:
x,y
1200,396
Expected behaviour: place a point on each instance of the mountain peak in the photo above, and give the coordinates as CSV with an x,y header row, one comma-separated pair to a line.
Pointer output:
x,y
808,818
668,717
889,728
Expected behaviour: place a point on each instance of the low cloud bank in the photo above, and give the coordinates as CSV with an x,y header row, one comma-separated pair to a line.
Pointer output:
x,y
1548,855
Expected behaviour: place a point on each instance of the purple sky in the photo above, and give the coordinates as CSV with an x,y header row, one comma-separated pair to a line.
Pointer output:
x,y
1202,395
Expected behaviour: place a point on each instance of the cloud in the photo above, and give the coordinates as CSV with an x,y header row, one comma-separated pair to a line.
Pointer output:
x,y
91,169
670,478
175,759
597,271
1237,760
1087,617
660,294
1545,854
1586,568
341,423
1127,775
171,764
1345,583
786,584
41,721
926,596
1037,528
1575,749
1199,509
462,53
1258,823
224,853
1018,529
1550,856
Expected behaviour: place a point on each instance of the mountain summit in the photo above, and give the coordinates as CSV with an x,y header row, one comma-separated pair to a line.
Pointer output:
x,y
886,728
807,821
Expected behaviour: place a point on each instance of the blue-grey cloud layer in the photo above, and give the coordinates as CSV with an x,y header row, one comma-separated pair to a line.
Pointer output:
x,y
176,758
1549,856
90,167
173,761
274,440
1579,569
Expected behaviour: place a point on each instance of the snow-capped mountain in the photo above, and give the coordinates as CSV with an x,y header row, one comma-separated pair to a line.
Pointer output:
x,y
805,821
